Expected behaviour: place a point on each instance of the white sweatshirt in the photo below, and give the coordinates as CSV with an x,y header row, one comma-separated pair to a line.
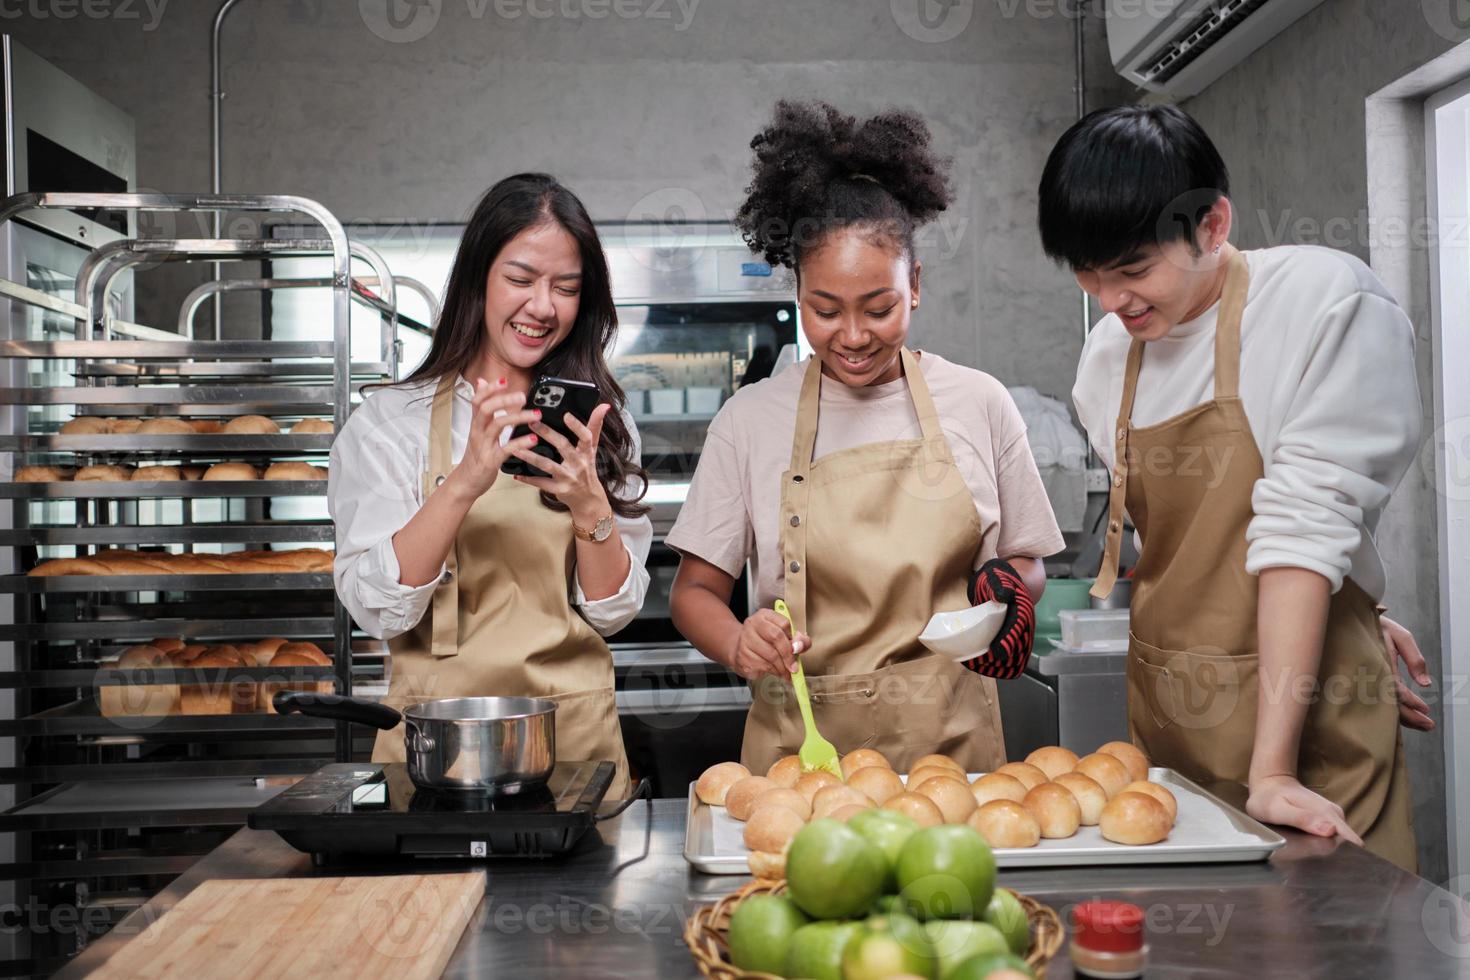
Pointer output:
x,y
1328,383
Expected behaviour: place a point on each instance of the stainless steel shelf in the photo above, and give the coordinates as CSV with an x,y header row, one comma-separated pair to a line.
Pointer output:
x,y
83,718
41,584
134,443
175,395
189,629
265,531
93,677
89,490
153,372
139,803
136,350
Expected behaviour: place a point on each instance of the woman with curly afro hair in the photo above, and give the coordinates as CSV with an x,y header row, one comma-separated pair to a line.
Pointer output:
x,y
870,486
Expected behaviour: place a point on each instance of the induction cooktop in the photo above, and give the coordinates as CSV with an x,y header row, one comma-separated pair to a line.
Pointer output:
x,y
350,811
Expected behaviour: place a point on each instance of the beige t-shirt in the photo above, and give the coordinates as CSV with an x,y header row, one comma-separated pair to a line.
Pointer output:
x,y
733,508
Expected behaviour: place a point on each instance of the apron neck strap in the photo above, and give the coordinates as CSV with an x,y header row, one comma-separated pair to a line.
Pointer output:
x,y
444,631
808,407
441,415
1227,325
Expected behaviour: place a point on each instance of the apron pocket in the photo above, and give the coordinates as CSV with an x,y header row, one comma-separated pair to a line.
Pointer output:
x,y
1196,709
842,707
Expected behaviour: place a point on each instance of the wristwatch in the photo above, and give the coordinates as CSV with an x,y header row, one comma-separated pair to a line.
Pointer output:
x,y
600,531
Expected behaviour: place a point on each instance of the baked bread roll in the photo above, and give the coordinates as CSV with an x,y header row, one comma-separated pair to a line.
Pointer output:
x,y
294,471
123,426
925,773
876,783
165,427
1053,760
1110,774
192,472
231,471
938,760
295,655
829,798
168,644
847,812
138,700
862,759
952,796
1091,797
261,651
41,474
1131,756
156,473
785,771
716,781
918,808
187,654
997,786
206,427
768,865
1160,793
104,474
312,427
787,797
1056,810
1006,823
810,782
218,697
770,828
84,425
1134,818
1029,775
251,425
740,800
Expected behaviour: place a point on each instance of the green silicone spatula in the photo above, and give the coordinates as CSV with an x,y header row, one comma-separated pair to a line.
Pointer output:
x,y
816,752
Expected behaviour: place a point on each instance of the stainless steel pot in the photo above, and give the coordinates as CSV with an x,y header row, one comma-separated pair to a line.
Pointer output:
x,y
481,745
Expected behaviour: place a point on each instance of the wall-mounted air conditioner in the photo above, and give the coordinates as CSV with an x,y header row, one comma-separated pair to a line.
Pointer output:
x,y
1179,46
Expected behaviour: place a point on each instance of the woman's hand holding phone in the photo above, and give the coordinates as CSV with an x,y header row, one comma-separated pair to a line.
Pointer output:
x,y
573,481
483,453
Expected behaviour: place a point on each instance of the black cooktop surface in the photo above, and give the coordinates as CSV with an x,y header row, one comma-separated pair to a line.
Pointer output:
x,y
349,810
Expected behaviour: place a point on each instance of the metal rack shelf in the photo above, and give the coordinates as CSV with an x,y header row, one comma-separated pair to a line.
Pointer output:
x,y
108,490
223,533
318,443
82,717
143,803
39,584
189,629
158,395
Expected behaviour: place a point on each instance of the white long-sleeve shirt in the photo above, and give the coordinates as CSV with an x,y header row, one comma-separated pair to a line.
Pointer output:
x,y
1328,384
375,486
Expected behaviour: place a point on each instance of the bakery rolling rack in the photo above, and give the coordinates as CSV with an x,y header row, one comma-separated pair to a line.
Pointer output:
x,y
108,809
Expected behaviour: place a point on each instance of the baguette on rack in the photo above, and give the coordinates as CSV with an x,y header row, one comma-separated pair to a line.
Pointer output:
x,y
41,474
119,562
294,471
104,474
165,427
84,425
123,427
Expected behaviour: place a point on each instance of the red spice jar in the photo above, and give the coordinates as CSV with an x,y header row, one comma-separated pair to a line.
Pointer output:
x,y
1107,940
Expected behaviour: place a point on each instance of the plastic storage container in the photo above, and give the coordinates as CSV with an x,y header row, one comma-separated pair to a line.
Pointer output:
x,y
1102,630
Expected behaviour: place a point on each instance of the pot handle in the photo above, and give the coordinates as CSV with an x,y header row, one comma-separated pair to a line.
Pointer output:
x,y
337,708
415,737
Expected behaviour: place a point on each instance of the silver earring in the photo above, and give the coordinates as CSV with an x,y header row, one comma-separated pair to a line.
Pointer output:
x,y
1217,249
914,304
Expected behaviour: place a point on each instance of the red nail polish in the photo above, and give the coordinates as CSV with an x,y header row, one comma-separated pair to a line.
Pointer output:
x,y
538,412
533,440
501,382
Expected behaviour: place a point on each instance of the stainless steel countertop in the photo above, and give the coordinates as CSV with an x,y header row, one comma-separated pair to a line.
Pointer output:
x,y
617,907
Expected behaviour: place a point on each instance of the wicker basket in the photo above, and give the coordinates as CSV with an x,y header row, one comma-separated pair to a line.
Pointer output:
x,y
706,933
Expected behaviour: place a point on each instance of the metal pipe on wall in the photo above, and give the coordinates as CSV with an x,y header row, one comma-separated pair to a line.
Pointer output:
x,y
216,98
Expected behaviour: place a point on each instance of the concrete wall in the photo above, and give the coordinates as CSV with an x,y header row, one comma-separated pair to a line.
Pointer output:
x,y
1291,123
644,106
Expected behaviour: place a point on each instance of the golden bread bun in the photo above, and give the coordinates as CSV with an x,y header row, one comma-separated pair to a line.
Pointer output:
x,y
261,651
1091,797
142,655
937,760
951,796
218,698
925,773
740,799
916,807
84,425
206,427
1006,823
848,811
105,474
231,471
1029,775
40,474
829,798
770,828
310,427
787,797
124,426
192,472
168,644
165,427
138,700
876,783
1134,818
1131,756
1107,770
145,474
1053,760
251,425
997,786
862,759
809,782
290,655
768,865
1160,793
785,771
294,471
1055,808
716,781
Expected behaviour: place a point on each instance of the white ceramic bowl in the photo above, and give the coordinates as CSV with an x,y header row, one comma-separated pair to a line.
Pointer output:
x,y
965,633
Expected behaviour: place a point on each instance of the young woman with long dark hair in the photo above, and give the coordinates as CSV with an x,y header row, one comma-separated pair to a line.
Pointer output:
x,y
484,583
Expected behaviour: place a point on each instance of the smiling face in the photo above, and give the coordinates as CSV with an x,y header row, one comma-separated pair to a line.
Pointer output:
x,y
532,295
856,293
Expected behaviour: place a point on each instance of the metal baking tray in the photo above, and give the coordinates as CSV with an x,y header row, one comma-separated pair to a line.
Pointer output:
x,y
250,581
232,533
132,442
166,349
1208,831
170,395
145,628
161,489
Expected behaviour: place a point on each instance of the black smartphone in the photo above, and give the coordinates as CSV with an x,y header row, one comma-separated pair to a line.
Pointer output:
x,y
556,398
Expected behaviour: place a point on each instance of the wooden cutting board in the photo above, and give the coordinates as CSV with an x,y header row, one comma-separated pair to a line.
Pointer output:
x,y
401,927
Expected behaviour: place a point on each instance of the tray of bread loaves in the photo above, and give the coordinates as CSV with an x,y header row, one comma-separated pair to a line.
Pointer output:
x,y
1052,809
118,570
253,433
239,695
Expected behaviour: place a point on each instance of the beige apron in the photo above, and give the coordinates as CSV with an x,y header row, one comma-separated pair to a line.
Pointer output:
x,y
875,540
1192,663
501,622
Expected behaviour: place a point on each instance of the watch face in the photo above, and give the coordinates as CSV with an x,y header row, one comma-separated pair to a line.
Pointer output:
x,y
603,530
